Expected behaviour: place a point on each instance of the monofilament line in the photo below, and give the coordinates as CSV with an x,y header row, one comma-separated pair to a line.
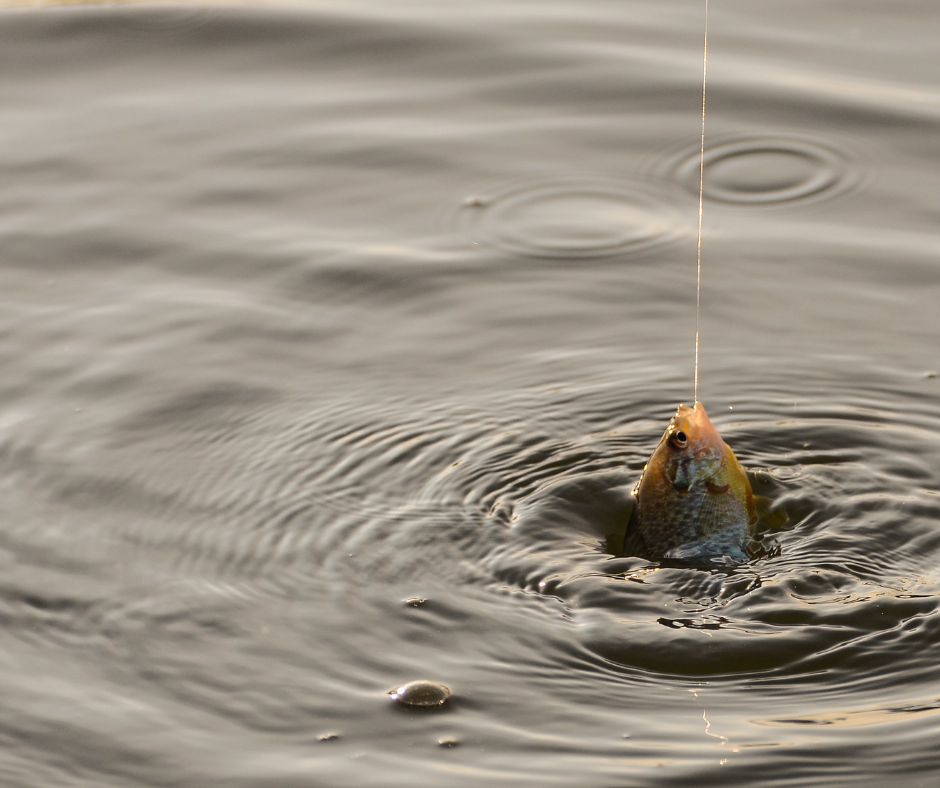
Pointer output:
x,y
701,194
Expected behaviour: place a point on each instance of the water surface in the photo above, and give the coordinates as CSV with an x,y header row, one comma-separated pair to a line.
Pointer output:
x,y
335,335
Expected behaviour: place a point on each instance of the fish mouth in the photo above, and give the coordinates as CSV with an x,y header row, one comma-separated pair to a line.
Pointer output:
x,y
682,489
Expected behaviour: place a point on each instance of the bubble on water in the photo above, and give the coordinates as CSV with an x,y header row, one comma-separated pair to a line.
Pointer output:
x,y
420,694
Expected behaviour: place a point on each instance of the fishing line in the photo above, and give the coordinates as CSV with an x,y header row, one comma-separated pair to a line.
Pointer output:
x,y
701,193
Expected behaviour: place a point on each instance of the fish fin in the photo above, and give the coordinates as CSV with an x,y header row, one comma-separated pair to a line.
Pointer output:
x,y
626,505
633,544
774,519
707,552
765,547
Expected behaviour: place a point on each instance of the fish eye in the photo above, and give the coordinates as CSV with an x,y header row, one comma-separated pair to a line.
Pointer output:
x,y
679,439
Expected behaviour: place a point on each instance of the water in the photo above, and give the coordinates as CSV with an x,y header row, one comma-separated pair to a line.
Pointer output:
x,y
334,336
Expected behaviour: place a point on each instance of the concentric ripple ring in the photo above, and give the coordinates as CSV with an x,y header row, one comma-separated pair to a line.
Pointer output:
x,y
758,171
575,218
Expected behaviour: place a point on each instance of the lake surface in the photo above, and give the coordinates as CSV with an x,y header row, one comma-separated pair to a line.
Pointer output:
x,y
334,336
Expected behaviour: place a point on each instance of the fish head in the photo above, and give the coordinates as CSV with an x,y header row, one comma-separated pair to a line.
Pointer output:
x,y
691,451
693,497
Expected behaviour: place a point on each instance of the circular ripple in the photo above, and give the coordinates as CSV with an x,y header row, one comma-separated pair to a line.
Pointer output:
x,y
573,219
765,171
156,19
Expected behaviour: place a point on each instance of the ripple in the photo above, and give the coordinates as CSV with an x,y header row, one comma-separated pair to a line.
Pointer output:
x,y
154,19
758,171
522,499
572,218
847,582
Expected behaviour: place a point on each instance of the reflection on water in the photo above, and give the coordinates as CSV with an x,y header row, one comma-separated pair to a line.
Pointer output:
x,y
335,337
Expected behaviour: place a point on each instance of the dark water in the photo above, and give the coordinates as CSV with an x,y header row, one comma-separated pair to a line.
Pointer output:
x,y
334,335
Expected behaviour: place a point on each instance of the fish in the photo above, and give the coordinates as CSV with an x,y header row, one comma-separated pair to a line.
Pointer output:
x,y
693,503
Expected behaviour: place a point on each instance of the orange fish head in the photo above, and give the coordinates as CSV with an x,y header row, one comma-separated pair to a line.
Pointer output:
x,y
691,451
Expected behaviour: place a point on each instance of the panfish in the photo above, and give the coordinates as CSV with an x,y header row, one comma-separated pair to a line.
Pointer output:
x,y
693,502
